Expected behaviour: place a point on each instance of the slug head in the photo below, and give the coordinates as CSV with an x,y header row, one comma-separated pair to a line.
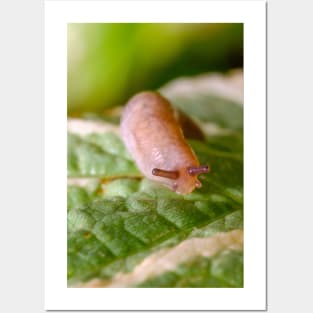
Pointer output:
x,y
182,181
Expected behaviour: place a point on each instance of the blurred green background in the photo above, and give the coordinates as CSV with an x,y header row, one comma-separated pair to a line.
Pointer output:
x,y
108,63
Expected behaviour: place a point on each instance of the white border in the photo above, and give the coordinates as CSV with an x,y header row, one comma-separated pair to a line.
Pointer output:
x,y
253,295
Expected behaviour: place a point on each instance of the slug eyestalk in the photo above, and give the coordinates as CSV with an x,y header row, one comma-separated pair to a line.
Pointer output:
x,y
193,171
164,173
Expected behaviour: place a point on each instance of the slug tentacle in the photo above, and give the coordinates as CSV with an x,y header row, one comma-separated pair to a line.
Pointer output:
x,y
164,173
196,170
198,184
174,187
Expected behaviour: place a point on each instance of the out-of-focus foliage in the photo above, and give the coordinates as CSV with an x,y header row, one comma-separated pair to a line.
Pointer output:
x,y
108,63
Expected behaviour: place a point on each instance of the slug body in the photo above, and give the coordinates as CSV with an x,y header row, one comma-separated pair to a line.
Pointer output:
x,y
155,140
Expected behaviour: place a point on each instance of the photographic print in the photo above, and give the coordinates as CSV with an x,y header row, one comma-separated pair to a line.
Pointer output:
x,y
155,155
160,131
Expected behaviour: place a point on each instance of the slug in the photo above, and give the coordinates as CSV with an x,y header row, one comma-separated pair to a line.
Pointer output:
x,y
155,140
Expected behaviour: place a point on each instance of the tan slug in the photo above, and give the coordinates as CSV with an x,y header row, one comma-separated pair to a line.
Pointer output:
x,y
154,138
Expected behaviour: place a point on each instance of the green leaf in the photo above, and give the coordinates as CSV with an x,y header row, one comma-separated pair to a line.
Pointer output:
x,y
124,224
225,113
222,270
215,99
99,155
117,219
